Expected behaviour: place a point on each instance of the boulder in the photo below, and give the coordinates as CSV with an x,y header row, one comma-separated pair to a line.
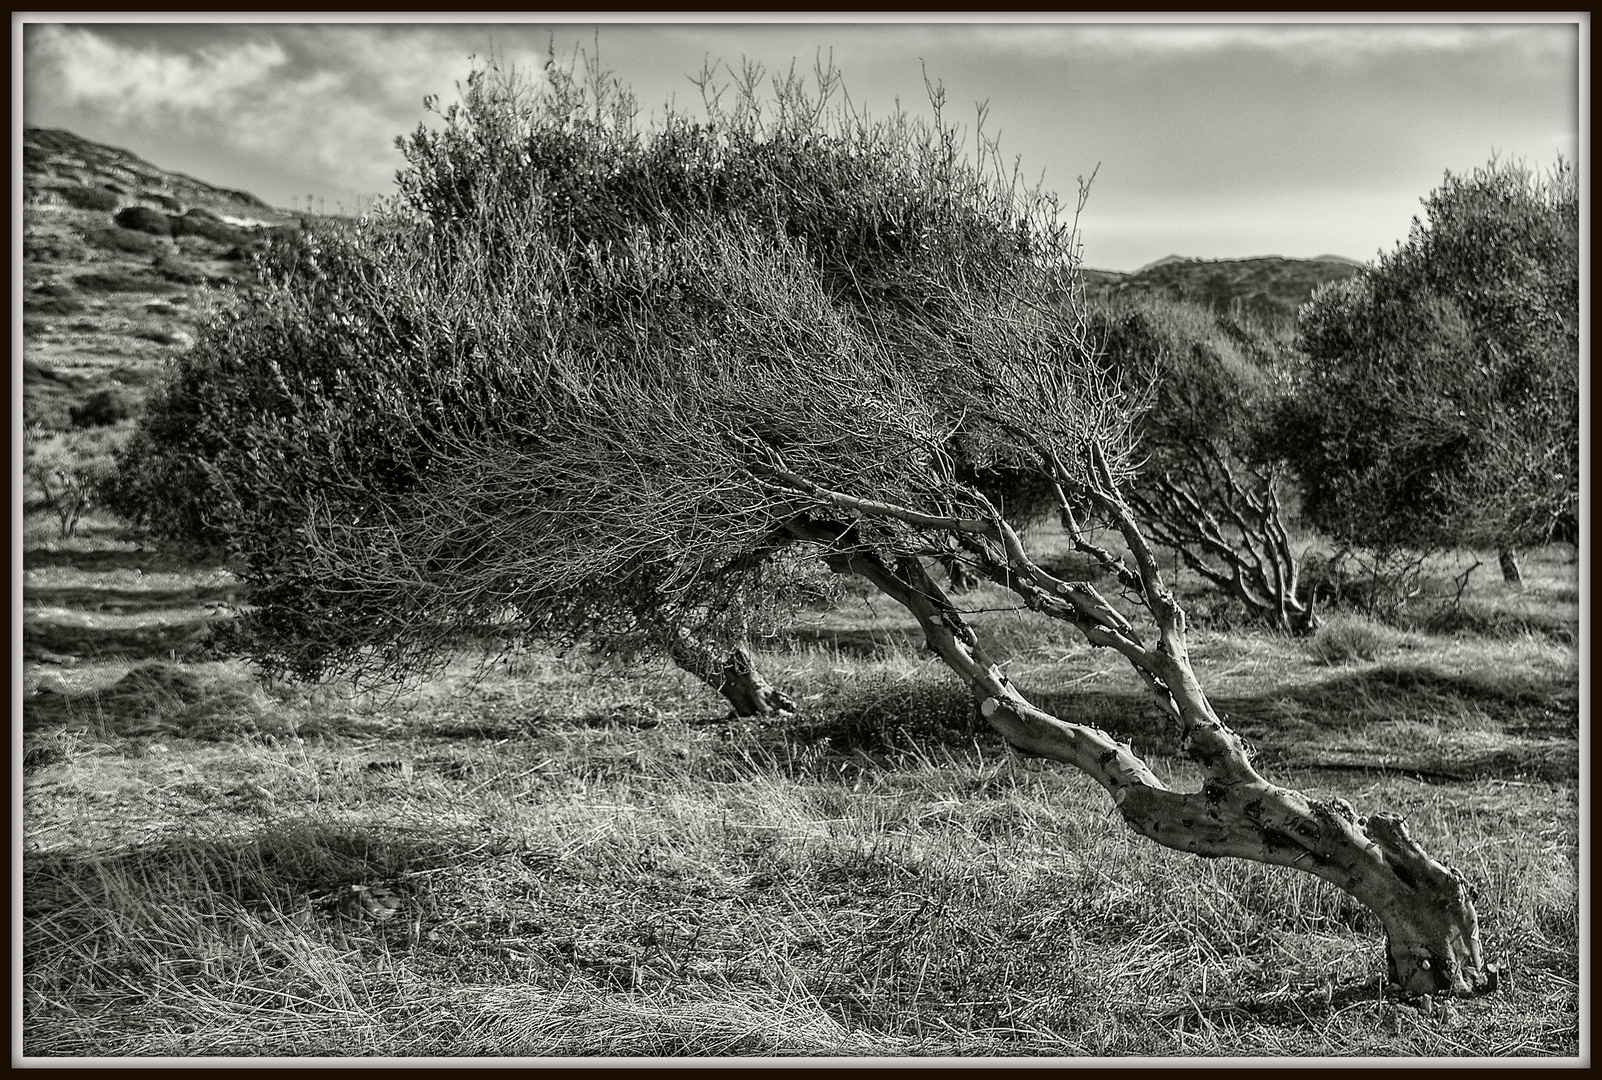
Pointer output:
x,y
144,219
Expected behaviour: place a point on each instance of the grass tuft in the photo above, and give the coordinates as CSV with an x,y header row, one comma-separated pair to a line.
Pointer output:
x,y
1345,638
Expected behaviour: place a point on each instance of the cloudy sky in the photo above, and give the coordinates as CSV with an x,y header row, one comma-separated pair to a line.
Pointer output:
x,y
1214,140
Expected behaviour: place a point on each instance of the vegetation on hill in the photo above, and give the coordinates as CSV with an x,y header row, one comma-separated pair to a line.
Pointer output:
x,y
1269,289
121,261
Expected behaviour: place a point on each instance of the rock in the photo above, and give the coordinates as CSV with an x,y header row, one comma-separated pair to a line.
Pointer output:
x,y
51,684
144,219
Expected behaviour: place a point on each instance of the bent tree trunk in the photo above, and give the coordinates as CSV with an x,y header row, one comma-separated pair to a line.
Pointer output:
x,y
1431,926
734,676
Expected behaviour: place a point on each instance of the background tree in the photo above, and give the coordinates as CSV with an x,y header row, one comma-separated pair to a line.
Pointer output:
x,y
1210,486
1438,406
497,424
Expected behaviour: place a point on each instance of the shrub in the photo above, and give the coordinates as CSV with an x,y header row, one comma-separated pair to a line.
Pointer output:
x,y
53,305
116,238
63,474
87,198
144,219
101,409
1438,405
117,281
52,247
203,223
180,271
1344,638
1210,486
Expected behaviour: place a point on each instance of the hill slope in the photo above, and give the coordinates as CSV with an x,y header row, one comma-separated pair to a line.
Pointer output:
x,y
1270,286
56,162
118,257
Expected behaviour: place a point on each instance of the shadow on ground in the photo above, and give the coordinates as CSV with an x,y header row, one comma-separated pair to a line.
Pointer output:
x,y
129,601
861,643
183,639
277,868
1392,719
105,561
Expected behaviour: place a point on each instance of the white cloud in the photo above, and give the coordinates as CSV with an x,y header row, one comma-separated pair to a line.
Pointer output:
x,y
326,101
92,70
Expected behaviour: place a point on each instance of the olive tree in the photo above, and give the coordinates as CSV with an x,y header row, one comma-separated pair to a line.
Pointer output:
x,y
1439,403
685,419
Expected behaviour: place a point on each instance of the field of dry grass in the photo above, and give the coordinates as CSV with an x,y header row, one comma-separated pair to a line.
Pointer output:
x,y
578,859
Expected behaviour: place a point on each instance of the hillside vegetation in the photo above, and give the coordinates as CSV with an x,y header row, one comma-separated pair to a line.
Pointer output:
x,y
1270,288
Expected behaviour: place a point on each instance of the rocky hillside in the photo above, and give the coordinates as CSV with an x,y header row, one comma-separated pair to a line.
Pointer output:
x,y
58,164
1271,287
119,258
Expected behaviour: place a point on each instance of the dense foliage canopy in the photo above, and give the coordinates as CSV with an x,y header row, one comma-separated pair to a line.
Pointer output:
x,y
1438,406
537,395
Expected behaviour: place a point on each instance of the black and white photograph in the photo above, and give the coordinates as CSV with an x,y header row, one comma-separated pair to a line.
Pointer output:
x,y
658,539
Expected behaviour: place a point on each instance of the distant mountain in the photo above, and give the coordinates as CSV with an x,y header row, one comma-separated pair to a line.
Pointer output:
x,y
1269,286
1165,260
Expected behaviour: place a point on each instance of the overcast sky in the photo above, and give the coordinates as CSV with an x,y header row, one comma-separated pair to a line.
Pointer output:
x,y
1221,140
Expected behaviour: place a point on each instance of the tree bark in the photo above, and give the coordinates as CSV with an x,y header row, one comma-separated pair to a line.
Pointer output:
x,y
1426,909
735,676
1510,567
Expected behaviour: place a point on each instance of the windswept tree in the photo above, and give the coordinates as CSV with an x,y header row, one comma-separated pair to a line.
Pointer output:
x,y
644,433
1439,403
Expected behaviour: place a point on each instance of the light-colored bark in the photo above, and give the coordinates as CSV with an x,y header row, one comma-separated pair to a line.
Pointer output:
x,y
1425,908
1247,554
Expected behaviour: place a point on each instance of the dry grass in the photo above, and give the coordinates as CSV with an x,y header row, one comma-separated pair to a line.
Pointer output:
x,y
594,861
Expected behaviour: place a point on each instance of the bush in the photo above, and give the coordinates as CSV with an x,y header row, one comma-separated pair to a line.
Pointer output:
x,y
1438,406
117,281
1211,487
345,378
180,271
143,219
63,474
87,198
116,238
1344,638
51,246
53,305
101,409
